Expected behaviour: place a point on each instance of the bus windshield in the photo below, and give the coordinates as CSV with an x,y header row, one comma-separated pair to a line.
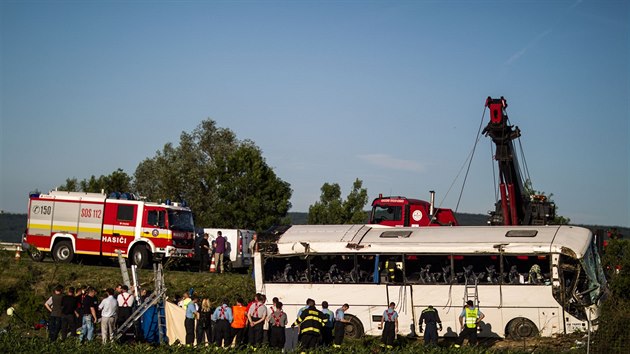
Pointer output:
x,y
180,220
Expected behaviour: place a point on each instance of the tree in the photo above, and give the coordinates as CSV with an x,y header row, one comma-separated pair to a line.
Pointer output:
x,y
330,209
226,182
117,181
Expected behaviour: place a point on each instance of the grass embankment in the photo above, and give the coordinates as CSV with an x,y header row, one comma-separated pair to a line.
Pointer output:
x,y
25,285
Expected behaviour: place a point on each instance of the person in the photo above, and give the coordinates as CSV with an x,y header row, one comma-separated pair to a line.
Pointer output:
x,y
222,318
390,329
109,309
431,320
272,308
239,312
219,252
183,303
311,322
327,331
68,314
256,316
277,323
88,309
204,254
78,320
125,305
204,325
253,244
340,325
189,322
473,316
53,304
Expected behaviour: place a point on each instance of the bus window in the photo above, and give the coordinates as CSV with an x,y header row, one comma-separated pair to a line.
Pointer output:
x,y
526,269
427,269
332,269
391,268
285,270
480,269
365,266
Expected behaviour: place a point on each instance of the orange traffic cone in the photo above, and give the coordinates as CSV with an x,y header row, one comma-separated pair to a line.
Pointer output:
x,y
18,251
213,267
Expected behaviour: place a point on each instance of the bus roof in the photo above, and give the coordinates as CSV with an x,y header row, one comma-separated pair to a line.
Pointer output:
x,y
301,239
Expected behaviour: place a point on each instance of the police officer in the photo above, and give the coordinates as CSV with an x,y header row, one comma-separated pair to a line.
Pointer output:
x,y
469,328
311,323
431,320
390,319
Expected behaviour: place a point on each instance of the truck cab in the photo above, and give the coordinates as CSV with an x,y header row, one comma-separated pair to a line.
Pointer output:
x,y
407,212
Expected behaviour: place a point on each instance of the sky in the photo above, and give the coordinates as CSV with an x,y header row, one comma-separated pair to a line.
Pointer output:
x,y
390,92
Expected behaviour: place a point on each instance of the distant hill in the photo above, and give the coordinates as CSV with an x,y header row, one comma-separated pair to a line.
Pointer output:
x,y
12,225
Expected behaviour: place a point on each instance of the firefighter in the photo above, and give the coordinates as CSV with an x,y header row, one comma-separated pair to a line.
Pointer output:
x,y
390,267
390,329
473,316
277,323
311,323
222,318
431,320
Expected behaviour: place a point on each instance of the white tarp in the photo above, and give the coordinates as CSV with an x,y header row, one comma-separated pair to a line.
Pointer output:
x,y
175,317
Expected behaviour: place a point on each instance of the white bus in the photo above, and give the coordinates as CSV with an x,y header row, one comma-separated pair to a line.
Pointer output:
x,y
531,280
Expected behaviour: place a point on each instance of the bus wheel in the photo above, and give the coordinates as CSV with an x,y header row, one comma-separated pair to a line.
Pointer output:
x,y
63,252
140,256
353,329
520,328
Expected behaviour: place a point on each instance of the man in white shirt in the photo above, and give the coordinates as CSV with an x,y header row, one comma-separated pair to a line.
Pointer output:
x,y
125,305
109,309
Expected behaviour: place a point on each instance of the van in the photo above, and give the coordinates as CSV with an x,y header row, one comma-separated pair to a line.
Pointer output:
x,y
237,254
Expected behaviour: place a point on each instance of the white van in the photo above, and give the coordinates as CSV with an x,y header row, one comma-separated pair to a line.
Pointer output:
x,y
236,246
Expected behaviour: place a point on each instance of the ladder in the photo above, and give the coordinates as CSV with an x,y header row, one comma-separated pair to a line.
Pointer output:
x,y
471,292
123,269
156,298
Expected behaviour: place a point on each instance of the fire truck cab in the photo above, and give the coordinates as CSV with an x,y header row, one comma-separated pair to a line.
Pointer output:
x,y
401,211
65,224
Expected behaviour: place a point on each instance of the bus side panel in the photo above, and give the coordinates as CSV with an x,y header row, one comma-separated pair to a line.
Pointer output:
x,y
401,295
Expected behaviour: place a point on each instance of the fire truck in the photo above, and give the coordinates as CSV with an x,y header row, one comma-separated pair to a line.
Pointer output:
x,y
401,211
65,224
516,206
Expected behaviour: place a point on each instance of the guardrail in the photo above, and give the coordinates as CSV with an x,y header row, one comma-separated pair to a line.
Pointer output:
x,y
9,246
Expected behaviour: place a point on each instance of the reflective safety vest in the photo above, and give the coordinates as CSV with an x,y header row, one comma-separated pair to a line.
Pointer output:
x,y
471,317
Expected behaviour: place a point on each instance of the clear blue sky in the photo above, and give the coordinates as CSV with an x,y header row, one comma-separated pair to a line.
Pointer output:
x,y
391,92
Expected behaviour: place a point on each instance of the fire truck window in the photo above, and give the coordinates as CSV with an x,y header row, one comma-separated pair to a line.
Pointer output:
x,y
155,218
125,213
427,269
526,269
332,269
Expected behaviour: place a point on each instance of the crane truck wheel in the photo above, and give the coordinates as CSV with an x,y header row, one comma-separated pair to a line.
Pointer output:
x,y
63,252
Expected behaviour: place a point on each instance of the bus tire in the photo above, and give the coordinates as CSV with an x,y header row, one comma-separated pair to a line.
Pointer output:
x,y
520,328
140,256
354,328
63,252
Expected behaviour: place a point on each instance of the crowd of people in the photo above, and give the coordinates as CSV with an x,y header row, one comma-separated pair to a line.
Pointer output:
x,y
255,324
75,312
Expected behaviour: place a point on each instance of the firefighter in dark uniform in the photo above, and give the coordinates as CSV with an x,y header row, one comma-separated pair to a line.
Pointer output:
x,y
390,319
431,320
311,322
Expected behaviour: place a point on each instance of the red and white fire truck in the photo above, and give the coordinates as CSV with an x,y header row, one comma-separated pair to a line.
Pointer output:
x,y
68,223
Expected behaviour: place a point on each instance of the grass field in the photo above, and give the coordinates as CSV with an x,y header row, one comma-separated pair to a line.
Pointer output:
x,y
25,285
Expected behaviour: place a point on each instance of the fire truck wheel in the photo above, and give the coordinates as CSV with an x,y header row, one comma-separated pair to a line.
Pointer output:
x,y
140,256
520,328
63,252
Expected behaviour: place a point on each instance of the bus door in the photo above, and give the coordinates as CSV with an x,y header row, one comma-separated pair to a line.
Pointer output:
x,y
398,292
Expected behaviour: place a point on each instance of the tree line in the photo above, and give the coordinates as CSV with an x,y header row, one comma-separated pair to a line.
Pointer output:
x,y
226,182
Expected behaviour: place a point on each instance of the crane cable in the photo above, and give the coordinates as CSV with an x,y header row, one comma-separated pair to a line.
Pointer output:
x,y
469,160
